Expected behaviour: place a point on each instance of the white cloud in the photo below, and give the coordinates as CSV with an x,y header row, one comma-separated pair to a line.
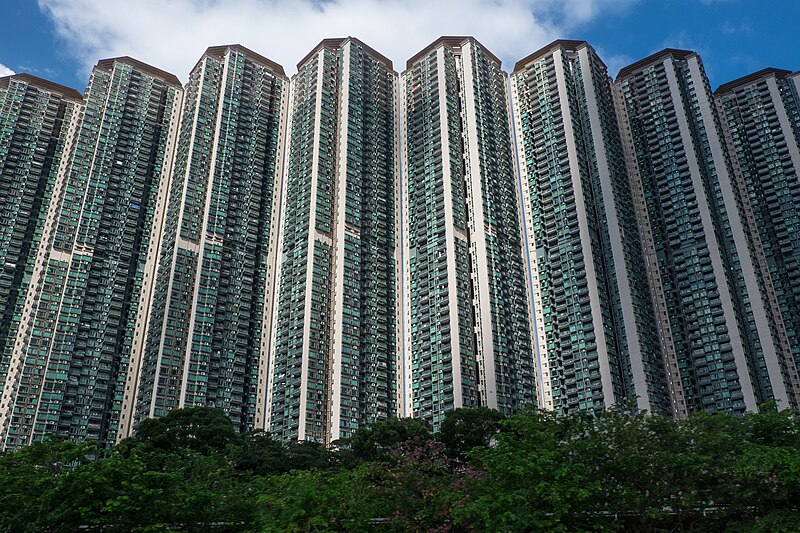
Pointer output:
x,y
684,41
5,71
172,34
729,28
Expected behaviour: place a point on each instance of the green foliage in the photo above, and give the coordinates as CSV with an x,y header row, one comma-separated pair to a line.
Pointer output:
x,y
465,429
532,478
376,440
611,471
200,429
416,487
310,500
31,481
258,454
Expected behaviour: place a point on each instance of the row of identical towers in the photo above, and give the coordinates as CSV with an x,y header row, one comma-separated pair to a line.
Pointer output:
x,y
597,340
658,221
84,180
144,245
353,244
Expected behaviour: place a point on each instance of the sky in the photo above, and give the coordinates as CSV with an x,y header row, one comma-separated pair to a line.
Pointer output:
x,y
61,40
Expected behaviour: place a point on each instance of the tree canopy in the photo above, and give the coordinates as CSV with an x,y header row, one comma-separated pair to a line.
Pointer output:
x,y
610,471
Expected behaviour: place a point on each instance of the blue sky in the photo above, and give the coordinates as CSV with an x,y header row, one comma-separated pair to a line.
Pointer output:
x,y
61,39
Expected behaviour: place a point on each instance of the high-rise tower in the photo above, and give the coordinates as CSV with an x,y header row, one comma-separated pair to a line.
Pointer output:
x,y
596,331
467,313
720,350
37,124
761,121
68,364
205,341
334,359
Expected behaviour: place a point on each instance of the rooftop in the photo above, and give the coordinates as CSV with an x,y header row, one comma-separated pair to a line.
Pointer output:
x,y
750,78
67,92
452,41
219,53
548,49
338,43
654,58
108,64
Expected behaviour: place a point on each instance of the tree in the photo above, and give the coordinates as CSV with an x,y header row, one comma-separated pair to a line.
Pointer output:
x,y
316,501
200,429
467,428
30,480
610,470
416,487
530,481
374,441
259,454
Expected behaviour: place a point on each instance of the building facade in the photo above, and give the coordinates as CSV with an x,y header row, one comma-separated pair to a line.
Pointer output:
x,y
597,339
718,342
760,115
466,308
334,361
204,341
314,254
37,125
67,368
